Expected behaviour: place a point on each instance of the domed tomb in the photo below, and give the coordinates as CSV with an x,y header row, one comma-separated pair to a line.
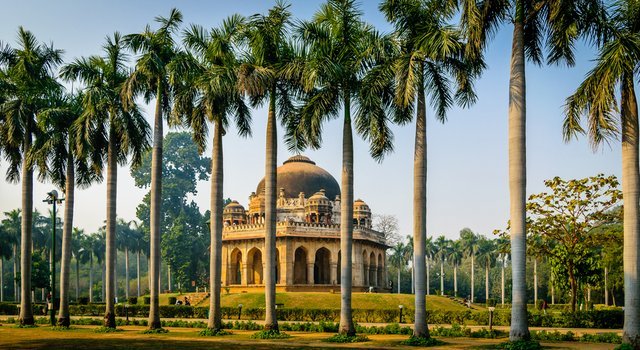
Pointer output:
x,y
301,174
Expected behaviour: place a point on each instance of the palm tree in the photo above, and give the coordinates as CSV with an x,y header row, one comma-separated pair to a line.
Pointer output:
x,y
558,24
470,246
429,252
6,241
116,134
264,77
340,51
11,224
157,50
208,92
503,247
26,75
81,255
618,58
486,256
397,258
58,159
138,246
454,256
125,241
96,244
431,53
442,244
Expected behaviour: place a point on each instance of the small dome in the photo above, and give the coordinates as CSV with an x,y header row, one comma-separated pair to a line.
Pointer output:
x,y
360,205
233,206
301,174
319,196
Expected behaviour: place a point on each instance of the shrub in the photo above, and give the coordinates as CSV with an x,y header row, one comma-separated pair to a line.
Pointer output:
x,y
155,331
107,330
491,302
8,309
83,300
132,300
210,332
146,300
270,334
520,345
611,338
172,300
624,346
422,341
552,336
343,338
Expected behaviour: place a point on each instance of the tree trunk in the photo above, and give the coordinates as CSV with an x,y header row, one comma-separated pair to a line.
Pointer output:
x,y
169,277
16,288
553,294
441,277
126,273
110,255
138,271
420,327
26,307
270,178
455,279
518,178
473,267
65,265
630,189
535,282
346,222
574,288
91,278
156,203
77,280
428,279
486,283
399,279
606,291
103,276
502,285
215,228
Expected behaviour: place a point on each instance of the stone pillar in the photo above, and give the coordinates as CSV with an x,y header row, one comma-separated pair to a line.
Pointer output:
x,y
310,273
244,278
385,272
365,274
333,266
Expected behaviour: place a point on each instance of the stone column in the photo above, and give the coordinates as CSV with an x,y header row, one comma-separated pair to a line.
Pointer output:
x,y
385,272
244,278
310,273
365,273
333,273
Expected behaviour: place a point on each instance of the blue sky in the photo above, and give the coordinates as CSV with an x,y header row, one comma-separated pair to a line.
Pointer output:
x,y
467,155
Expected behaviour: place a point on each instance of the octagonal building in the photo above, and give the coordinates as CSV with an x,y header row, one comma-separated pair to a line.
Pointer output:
x,y
307,236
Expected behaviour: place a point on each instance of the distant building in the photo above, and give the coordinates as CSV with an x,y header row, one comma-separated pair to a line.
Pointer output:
x,y
307,238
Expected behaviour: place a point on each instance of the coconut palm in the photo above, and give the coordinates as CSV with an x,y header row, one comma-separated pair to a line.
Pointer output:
x,y
442,250
454,256
26,76
157,49
263,77
430,56
116,134
96,244
81,255
470,246
487,257
617,61
58,159
341,50
538,25
125,241
208,92
398,258
138,246
11,224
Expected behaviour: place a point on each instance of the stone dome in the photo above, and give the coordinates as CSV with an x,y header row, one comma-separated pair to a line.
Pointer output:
x,y
234,206
301,174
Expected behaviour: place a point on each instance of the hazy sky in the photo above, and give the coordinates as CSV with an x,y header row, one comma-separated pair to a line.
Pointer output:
x,y
467,156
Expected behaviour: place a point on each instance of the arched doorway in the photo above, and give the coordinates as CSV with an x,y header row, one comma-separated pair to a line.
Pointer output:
x,y
372,270
254,266
365,268
300,266
235,267
321,267
380,271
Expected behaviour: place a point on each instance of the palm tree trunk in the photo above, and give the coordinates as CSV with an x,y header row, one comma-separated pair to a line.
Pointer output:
x,y
441,277
473,267
399,267
346,222
110,254
535,281
126,272
553,294
420,327
169,277
486,283
26,308
518,179
455,279
16,289
65,266
630,189
91,277
428,279
502,285
215,227
606,291
156,203
270,178
138,271
103,276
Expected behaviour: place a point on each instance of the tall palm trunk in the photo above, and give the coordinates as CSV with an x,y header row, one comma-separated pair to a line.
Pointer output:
x,y
26,308
428,279
126,272
518,179
455,279
486,283
606,284
346,222
441,277
169,277
630,189
553,292
65,265
502,283
110,254
473,267
77,280
138,271
399,279
420,327
270,179
535,281
215,227
91,277
156,202
16,288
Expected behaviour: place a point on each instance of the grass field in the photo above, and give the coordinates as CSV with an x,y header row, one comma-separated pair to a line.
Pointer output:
x,y
180,338
330,301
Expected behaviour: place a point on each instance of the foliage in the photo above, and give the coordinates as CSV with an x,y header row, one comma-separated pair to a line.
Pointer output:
x,y
343,338
520,345
270,334
210,332
39,271
155,331
422,341
108,330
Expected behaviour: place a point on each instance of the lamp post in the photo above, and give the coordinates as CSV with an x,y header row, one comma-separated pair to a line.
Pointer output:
x,y
491,310
239,311
400,318
52,198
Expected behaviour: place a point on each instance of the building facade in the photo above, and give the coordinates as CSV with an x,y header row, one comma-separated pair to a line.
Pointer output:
x,y
307,236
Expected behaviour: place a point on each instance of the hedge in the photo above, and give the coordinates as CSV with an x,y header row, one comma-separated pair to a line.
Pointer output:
x,y
603,319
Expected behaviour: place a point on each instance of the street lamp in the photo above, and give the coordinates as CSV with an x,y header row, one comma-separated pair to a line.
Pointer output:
x,y
239,310
400,307
491,310
52,198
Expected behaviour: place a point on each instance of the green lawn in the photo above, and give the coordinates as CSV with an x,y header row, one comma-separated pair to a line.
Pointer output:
x,y
183,338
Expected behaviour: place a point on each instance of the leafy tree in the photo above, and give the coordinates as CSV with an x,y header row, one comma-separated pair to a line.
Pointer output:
x,y
487,257
7,240
40,274
398,259
442,250
26,77
11,224
454,256
470,245
565,219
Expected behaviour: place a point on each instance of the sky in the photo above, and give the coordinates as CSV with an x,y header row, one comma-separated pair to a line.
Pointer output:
x,y
467,164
